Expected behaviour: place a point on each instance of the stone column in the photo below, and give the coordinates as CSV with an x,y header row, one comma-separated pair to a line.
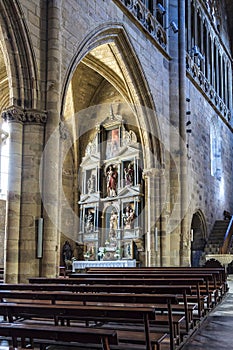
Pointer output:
x,y
182,132
152,215
30,206
51,163
15,117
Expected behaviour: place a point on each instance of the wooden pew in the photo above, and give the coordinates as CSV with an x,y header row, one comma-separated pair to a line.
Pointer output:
x,y
218,273
72,335
126,289
216,276
196,283
84,314
161,302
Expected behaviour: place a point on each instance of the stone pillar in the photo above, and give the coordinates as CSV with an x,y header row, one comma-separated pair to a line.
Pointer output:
x,y
163,235
51,174
30,210
23,203
182,132
15,117
152,216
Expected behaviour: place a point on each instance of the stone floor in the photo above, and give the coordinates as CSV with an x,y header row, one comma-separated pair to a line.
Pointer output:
x,y
216,331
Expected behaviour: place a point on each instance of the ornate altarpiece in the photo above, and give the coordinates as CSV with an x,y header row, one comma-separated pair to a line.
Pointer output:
x,y
111,200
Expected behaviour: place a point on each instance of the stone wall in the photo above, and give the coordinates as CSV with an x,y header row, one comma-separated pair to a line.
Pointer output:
x,y
60,38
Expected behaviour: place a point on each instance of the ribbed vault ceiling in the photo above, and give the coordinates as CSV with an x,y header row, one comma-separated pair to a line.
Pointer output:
x,y
103,64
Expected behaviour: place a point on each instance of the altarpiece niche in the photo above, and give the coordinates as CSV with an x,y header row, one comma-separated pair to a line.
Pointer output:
x,y
111,201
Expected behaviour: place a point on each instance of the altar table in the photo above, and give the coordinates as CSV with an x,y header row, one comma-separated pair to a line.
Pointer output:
x,y
78,264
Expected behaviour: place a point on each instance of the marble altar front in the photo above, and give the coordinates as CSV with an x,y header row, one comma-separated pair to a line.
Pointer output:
x,y
80,265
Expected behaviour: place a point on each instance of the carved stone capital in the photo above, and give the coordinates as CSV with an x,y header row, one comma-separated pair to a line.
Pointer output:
x,y
13,114
64,131
16,114
153,172
35,117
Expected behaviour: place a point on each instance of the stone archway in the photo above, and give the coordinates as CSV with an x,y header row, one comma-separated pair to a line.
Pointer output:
x,y
108,60
198,238
21,107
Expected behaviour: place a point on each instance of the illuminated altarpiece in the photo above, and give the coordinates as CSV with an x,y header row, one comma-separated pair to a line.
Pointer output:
x,y
111,200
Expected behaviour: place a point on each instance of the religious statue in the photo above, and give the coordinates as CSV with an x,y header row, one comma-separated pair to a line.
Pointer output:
x,y
111,181
113,220
89,222
67,252
91,184
128,217
129,175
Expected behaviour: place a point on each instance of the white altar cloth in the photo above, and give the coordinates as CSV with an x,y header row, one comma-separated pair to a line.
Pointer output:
x,y
78,264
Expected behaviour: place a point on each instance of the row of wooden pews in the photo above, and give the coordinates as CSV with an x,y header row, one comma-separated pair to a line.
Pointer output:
x,y
143,308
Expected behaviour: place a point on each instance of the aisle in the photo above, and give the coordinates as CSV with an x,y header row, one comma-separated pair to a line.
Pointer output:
x,y
216,331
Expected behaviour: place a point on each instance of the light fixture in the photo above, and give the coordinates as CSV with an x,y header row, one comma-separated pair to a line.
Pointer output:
x,y
187,124
187,99
161,9
188,112
196,53
174,26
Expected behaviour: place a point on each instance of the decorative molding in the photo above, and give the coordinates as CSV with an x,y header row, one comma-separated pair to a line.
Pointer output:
x,y
138,10
16,114
152,172
64,131
35,116
207,89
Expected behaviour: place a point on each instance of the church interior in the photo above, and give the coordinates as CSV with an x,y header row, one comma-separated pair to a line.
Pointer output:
x,y
116,155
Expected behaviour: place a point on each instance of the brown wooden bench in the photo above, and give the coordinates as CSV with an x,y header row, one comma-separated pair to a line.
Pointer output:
x,y
182,290
218,272
74,336
164,303
215,277
211,288
85,314
196,283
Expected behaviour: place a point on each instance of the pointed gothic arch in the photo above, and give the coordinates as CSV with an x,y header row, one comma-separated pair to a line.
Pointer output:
x,y
134,87
19,58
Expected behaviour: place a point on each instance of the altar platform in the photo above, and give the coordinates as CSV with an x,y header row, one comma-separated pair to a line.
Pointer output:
x,y
81,265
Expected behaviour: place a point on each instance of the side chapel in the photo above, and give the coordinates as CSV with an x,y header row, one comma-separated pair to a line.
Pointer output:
x,y
111,199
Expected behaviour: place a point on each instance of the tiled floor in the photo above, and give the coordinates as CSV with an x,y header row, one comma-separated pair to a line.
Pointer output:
x,y
216,332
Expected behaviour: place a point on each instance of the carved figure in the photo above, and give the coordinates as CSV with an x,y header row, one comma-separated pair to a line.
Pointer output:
x,y
112,181
89,227
67,252
113,220
129,175
128,217
91,184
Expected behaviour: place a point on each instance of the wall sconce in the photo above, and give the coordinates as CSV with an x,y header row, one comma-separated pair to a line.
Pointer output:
x,y
187,124
174,26
161,9
196,53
